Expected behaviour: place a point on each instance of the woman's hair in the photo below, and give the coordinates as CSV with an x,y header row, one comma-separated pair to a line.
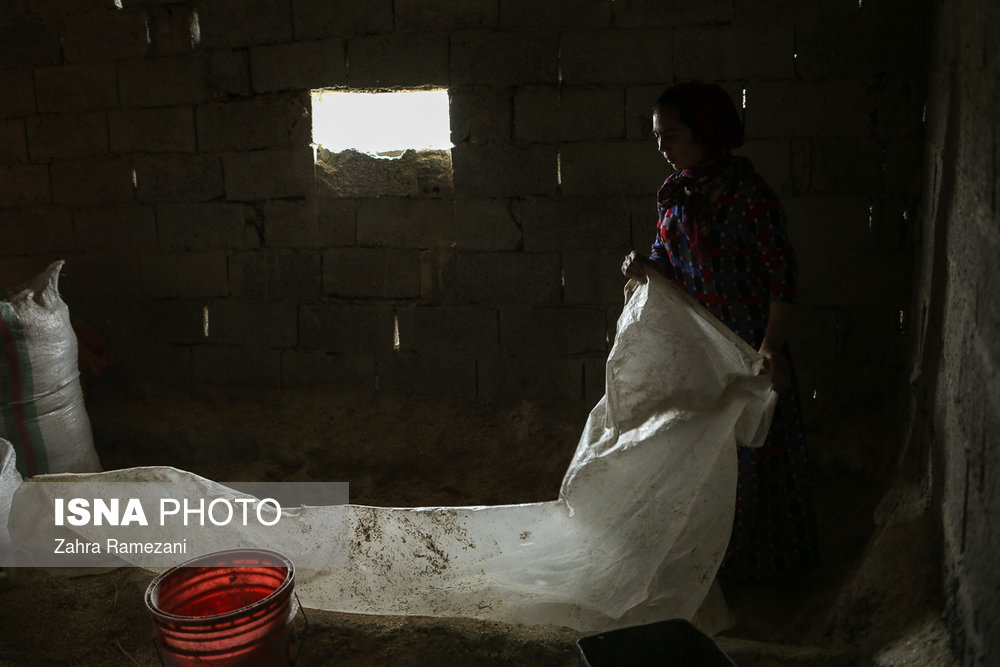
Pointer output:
x,y
710,113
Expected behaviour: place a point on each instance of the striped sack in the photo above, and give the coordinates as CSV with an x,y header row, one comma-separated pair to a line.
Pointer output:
x,y
41,401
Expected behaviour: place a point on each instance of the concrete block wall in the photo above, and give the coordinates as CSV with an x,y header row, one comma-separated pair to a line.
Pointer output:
x,y
955,366
163,147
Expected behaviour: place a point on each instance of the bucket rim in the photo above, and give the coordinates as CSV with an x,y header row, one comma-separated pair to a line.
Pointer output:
x,y
209,560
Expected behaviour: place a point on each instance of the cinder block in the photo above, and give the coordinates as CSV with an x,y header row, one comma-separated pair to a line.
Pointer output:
x,y
319,369
100,275
438,276
299,65
349,173
63,7
773,160
413,374
269,174
594,223
858,51
29,43
115,227
15,271
13,146
76,88
178,177
483,170
92,181
24,184
341,18
239,23
270,121
175,321
399,60
813,339
419,16
511,277
593,277
506,380
163,82
639,110
809,109
290,224
360,329
67,135
480,115
790,11
551,114
495,58
277,276
488,224
612,168
188,274
152,130
555,13
228,74
104,36
166,364
18,97
13,9
259,324
121,320
541,331
353,174
173,29
35,231
459,330
646,13
203,226
727,52
817,224
616,56
594,378
406,222
336,220
837,166
372,272
237,366
868,336
642,209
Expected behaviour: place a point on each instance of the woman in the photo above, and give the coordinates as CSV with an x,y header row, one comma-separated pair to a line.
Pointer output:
x,y
722,238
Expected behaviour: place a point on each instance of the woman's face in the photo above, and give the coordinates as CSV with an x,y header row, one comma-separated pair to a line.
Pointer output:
x,y
674,140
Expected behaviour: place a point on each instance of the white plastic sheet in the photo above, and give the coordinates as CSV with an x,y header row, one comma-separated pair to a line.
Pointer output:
x,y
638,529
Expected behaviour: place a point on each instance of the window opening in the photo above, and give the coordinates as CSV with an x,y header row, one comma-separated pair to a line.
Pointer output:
x,y
383,124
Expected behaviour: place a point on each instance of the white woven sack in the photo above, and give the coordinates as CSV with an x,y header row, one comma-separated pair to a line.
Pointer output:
x,y
42,412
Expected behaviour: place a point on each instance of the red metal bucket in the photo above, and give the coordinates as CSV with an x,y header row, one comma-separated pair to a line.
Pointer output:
x,y
226,608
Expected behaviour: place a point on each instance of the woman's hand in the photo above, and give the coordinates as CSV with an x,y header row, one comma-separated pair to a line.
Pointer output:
x,y
634,266
778,368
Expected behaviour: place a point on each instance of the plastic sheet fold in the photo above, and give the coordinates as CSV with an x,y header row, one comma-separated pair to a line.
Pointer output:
x,y
638,528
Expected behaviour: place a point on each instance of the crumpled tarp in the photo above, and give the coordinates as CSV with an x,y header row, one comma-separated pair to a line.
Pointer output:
x,y
640,524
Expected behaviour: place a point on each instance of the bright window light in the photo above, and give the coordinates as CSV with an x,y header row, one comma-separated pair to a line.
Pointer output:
x,y
381,122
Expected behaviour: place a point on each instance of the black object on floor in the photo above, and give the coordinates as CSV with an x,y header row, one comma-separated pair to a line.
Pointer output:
x,y
664,644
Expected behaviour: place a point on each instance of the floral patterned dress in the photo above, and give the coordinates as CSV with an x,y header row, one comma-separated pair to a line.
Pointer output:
x,y
722,238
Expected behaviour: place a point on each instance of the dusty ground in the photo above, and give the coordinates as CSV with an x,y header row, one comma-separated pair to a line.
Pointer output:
x,y
873,602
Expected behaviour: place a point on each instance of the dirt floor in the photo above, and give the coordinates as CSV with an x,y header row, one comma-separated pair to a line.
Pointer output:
x,y
873,601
